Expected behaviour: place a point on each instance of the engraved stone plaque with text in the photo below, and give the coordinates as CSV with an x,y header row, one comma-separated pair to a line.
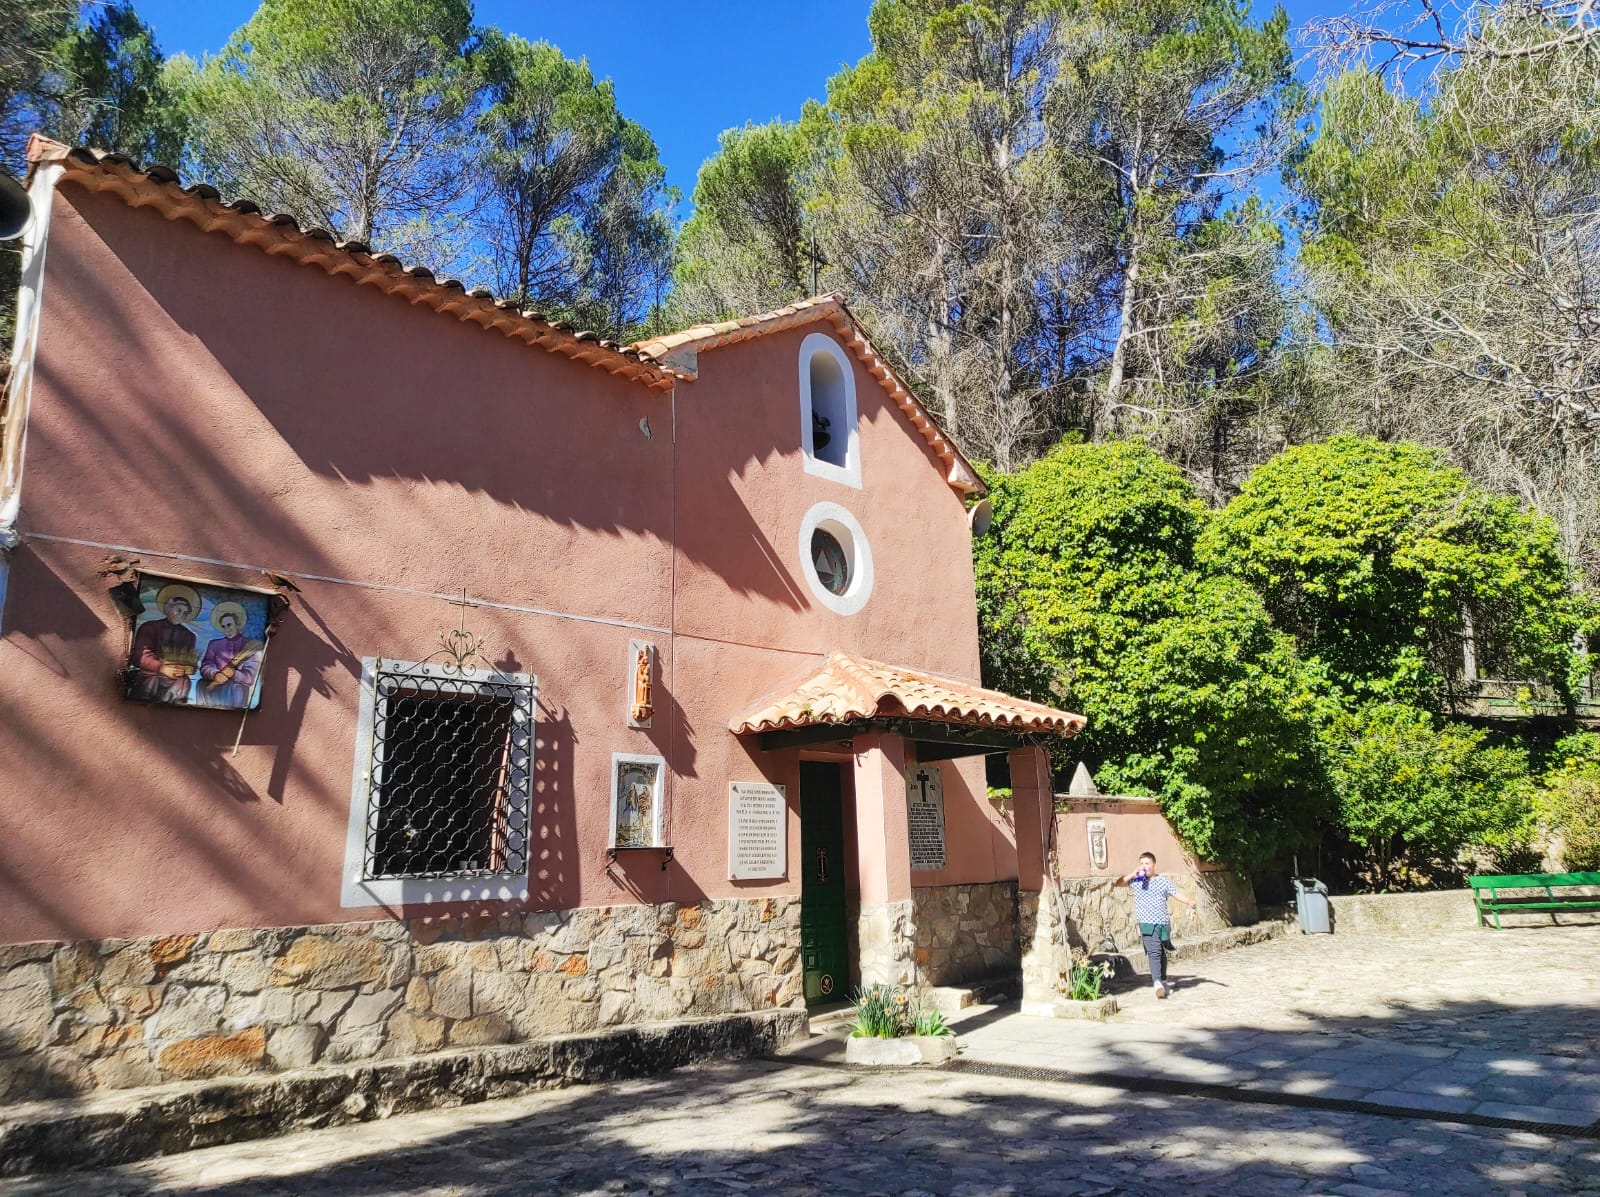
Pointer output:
x,y
925,811
758,831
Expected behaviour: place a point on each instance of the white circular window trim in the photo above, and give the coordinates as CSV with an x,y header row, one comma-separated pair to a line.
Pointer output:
x,y
846,529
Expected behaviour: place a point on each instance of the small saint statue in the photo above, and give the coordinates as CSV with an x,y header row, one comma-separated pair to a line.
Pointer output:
x,y
642,707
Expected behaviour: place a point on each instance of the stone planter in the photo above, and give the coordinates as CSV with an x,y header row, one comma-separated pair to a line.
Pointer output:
x,y
902,1052
1095,1011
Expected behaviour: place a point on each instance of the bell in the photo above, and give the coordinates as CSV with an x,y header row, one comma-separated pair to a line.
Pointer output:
x,y
15,209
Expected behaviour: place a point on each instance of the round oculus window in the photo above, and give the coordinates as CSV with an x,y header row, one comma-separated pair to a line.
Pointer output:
x,y
832,564
835,559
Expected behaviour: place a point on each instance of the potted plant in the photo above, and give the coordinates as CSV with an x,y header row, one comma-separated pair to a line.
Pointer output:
x,y
892,1026
1081,984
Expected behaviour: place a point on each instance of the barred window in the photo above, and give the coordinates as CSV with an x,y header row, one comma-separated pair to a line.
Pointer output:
x,y
443,781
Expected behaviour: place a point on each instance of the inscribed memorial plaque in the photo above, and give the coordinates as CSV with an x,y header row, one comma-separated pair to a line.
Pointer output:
x,y
925,812
758,831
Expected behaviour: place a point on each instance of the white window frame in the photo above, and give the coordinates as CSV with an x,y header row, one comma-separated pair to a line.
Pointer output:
x,y
359,890
847,530
850,473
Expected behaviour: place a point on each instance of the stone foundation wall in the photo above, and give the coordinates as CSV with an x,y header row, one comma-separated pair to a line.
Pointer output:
x,y
886,934
114,1014
1097,911
965,932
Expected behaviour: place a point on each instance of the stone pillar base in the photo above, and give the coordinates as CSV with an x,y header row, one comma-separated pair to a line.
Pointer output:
x,y
1044,959
888,944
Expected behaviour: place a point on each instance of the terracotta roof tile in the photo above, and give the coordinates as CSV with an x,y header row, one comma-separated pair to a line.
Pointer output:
x,y
680,350
281,235
849,689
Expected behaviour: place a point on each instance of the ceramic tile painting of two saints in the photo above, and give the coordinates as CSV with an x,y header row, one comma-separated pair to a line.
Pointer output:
x,y
196,645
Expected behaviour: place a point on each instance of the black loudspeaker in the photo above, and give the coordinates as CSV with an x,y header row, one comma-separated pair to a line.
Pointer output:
x,y
15,210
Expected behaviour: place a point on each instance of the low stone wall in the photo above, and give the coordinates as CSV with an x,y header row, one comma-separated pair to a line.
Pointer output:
x,y
1357,914
965,932
116,1127
115,1014
1099,914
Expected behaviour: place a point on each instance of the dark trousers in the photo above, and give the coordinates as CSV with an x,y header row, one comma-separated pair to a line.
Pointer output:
x,y
1155,947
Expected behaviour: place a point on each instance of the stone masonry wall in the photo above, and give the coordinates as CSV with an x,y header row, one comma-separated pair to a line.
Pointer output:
x,y
114,1014
1097,911
886,935
965,932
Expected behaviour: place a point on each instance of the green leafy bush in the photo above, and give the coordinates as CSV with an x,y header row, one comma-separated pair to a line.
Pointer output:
x,y
1375,555
1568,803
1089,597
1415,793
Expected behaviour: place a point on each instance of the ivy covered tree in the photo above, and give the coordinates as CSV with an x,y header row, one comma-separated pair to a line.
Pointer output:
x,y
1090,597
1397,575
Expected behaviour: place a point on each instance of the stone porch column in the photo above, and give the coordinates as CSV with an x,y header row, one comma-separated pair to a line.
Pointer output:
x,y
883,838
1038,928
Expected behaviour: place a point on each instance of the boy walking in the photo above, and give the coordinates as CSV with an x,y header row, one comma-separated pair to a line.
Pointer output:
x,y
1150,893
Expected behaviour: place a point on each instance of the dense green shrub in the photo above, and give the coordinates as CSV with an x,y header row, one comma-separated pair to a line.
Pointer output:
x,y
1089,598
1569,801
1373,556
1416,793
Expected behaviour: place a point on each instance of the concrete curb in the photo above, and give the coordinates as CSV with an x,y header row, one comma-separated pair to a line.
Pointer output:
x,y
1096,1011
904,1052
131,1124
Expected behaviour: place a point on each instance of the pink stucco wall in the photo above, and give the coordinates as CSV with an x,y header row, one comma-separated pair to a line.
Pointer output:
x,y
1133,825
200,398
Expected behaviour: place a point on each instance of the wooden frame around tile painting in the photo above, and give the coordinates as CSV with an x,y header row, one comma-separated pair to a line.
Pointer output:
x,y
193,643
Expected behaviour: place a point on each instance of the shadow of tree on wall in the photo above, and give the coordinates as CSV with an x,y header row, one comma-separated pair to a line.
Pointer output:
x,y
367,391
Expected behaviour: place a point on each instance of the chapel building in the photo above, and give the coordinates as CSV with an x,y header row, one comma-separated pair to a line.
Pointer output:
x,y
386,670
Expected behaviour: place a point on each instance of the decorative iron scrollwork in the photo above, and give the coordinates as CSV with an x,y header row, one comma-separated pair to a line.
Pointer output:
x,y
459,648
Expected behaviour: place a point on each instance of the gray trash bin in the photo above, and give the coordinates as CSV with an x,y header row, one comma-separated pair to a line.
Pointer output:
x,y
1311,902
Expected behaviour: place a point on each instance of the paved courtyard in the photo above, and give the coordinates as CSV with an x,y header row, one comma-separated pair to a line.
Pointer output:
x,y
1510,1019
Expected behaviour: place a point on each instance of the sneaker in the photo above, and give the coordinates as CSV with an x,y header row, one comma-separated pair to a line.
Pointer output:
x,y
1161,990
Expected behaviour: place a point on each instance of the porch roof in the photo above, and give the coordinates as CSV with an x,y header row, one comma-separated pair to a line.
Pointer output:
x,y
851,693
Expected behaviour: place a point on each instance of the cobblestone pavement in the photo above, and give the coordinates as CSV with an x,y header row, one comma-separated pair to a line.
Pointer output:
x,y
1513,1009
793,1129
1495,1023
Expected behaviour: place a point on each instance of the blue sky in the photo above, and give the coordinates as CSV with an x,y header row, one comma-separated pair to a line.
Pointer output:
x,y
686,72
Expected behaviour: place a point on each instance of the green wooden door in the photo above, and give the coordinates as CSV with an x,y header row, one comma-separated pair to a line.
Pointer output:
x,y
823,946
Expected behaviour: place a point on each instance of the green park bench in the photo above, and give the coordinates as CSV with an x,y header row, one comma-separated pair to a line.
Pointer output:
x,y
1525,893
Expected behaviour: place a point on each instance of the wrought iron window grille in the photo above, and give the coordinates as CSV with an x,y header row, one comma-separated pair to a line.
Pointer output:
x,y
450,773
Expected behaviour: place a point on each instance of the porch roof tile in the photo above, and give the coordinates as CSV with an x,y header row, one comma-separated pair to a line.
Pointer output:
x,y
850,689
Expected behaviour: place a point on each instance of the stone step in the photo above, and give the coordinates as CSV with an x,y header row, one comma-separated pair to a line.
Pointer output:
x,y
121,1125
1199,947
988,991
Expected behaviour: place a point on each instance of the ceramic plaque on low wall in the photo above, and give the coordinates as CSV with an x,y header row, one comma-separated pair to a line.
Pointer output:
x,y
758,831
925,812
